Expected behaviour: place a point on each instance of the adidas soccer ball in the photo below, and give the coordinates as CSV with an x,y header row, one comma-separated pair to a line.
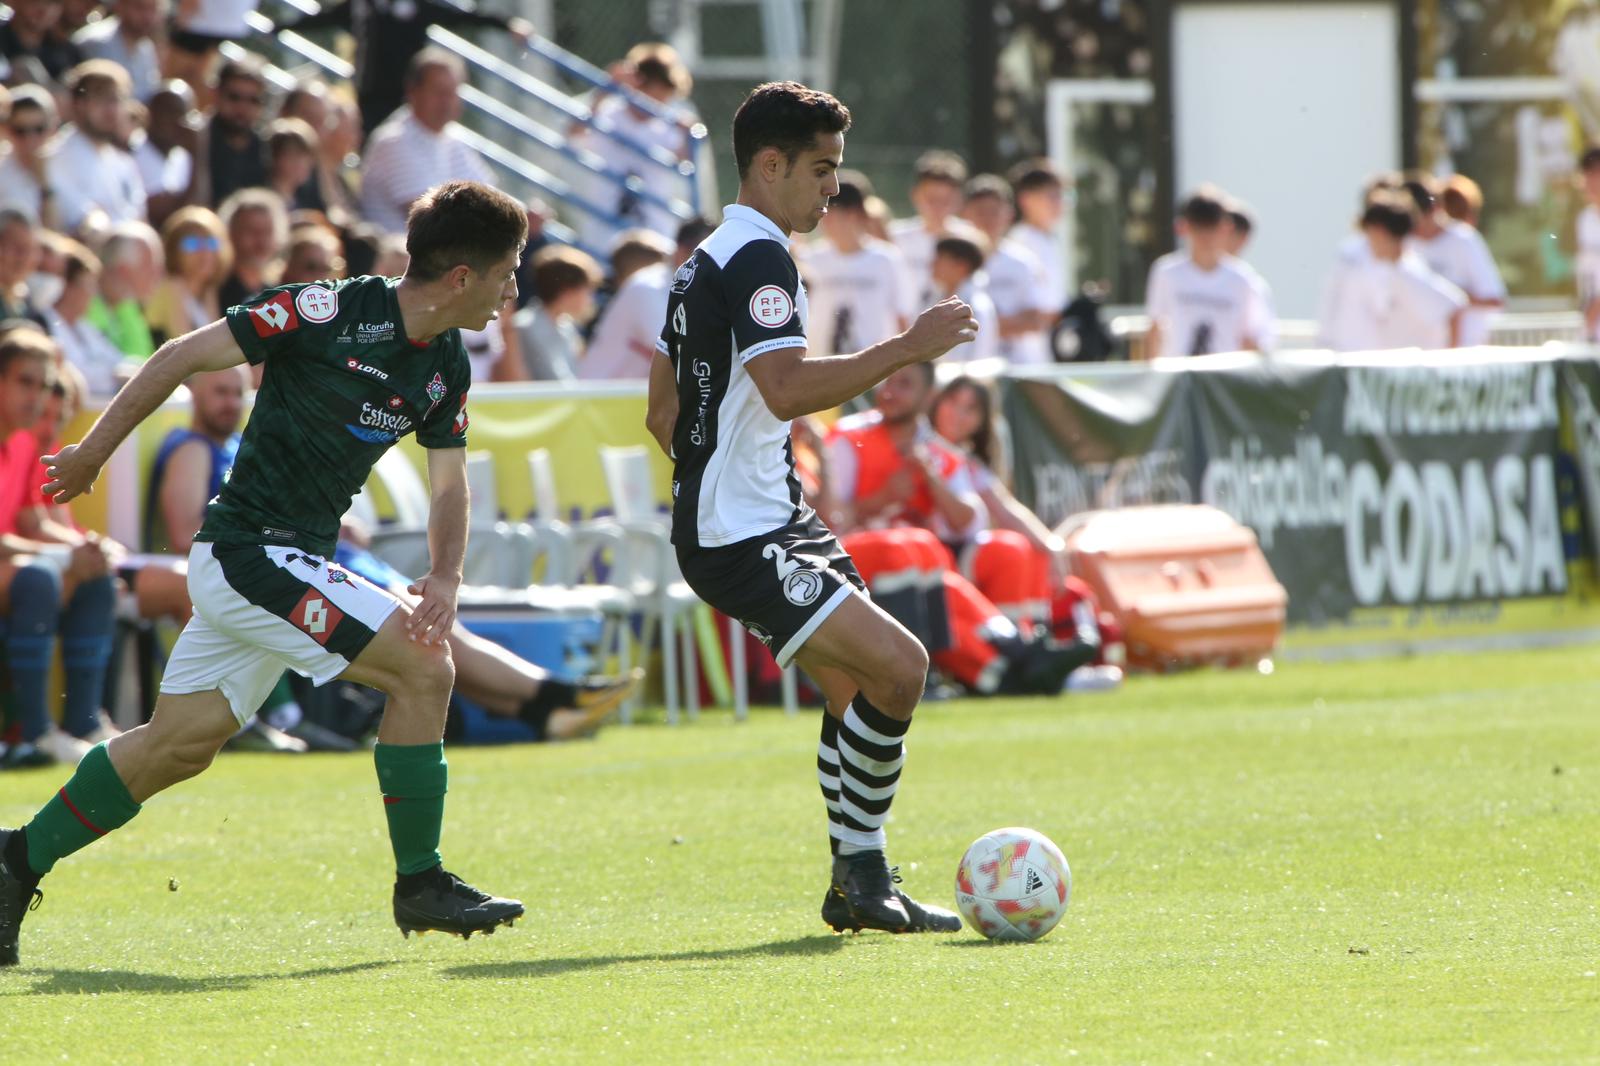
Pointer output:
x,y
1013,884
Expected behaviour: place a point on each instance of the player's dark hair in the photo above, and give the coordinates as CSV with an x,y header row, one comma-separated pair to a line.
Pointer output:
x,y
559,269
1203,209
937,164
787,116
985,445
960,248
854,188
1391,213
1590,160
1239,215
246,68
1033,174
462,222
989,185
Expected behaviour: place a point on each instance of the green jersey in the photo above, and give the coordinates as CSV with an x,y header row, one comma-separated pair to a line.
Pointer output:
x,y
341,384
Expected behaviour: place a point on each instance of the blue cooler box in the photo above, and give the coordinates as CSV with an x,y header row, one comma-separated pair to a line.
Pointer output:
x,y
562,642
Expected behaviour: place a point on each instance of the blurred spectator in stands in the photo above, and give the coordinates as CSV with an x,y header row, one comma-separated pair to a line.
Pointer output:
x,y
958,271
341,153
75,15
549,342
624,339
1241,227
229,153
87,169
164,149
24,169
858,288
1458,254
1198,299
82,343
539,213
19,252
878,217
127,38
654,71
388,35
258,230
325,190
420,145
314,254
292,164
690,234
1041,198
131,262
1393,299
1462,199
1587,272
198,31
198,258
936,193
61,591
1337,305
35,53
1016,280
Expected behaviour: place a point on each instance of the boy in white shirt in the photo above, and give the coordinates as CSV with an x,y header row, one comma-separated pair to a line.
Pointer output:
x,y
1241,227
1041,198
1337,307
958,271
1588,265
1198,299
1017,284
1393,299
1458,253
857,287
936,193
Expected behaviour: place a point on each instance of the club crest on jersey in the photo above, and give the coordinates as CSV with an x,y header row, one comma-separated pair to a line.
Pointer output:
x,y
685,275
360,367
436,392
275,316
771,307
317,303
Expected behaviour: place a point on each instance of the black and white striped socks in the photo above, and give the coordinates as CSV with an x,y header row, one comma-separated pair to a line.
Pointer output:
x,y
858,766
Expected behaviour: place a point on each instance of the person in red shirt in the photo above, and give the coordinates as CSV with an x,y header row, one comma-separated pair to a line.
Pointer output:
x,y
46,590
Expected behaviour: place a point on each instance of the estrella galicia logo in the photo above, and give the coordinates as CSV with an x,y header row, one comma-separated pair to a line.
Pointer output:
x,y
370,435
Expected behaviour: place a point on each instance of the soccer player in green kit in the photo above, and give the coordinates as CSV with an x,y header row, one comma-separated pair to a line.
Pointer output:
x,y
350,367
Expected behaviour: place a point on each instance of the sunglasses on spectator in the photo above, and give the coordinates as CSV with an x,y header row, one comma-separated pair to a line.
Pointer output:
x,y
196,243
29,131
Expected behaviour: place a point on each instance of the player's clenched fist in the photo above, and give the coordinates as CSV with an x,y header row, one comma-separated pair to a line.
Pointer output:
x,y
941,327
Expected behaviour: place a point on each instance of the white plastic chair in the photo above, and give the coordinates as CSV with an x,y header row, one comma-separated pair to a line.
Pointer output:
x,y
651,572
500,552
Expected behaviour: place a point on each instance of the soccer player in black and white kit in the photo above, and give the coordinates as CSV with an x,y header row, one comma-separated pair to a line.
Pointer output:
x,y
734,372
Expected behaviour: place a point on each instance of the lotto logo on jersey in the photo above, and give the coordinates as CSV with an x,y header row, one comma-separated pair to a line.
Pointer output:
x,y
771,307
275,316
317,303
462,421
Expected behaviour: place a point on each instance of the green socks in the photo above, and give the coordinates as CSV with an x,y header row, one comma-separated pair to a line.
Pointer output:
x,y
412,778
88,807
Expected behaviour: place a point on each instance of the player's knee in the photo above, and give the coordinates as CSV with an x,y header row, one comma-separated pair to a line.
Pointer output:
x,y
430,667
905,679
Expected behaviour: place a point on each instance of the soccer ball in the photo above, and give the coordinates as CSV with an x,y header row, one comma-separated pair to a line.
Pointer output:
x,y
1013,884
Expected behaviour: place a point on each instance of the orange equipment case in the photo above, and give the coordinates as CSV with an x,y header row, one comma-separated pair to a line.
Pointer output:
x,y
1188,583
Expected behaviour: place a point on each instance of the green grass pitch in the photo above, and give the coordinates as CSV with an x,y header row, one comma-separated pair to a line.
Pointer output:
x,y
1393,862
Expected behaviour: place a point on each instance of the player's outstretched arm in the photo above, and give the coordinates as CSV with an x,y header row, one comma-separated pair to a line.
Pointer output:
x,y
433,618
794,382
73,469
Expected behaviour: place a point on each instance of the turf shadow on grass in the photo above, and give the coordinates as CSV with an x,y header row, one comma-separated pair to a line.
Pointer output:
x,y
808,945
95,982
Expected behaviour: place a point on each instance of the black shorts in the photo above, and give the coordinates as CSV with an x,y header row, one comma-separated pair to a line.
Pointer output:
x,y
780,586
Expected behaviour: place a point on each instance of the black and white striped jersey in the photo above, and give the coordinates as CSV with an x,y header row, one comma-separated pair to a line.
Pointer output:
x,y
738,297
